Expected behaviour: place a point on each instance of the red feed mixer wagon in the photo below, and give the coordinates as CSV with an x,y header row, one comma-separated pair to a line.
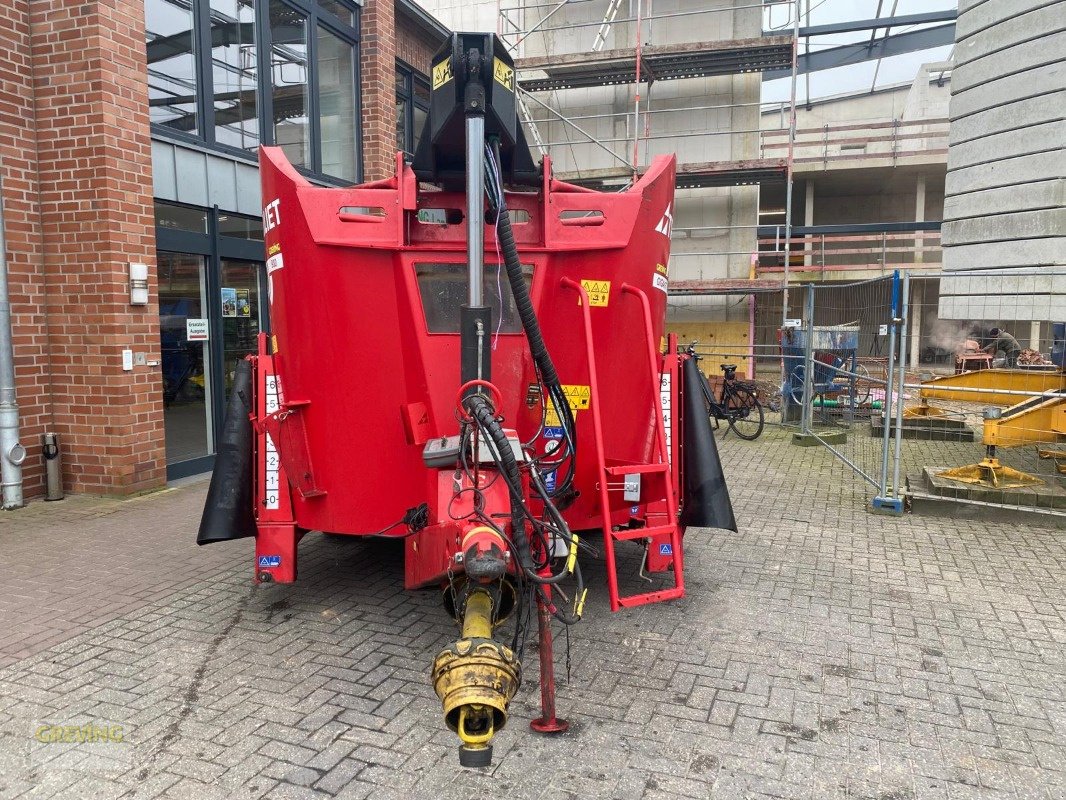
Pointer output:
x,y
470,356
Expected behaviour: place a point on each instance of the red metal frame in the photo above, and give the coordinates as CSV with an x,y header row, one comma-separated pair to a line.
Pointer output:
x,y
342,419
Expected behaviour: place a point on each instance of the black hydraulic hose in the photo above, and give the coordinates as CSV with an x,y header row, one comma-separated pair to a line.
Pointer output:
x,y
485,418
531,325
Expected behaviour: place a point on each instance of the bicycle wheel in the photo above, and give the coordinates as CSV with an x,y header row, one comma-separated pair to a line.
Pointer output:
x,y
795,384
862,385
745,412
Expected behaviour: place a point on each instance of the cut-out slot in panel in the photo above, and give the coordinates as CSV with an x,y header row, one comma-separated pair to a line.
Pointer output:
x,y
361,214
440,216
580,218
519,216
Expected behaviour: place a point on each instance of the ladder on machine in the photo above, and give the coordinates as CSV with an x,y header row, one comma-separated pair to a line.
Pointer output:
x,y
614,470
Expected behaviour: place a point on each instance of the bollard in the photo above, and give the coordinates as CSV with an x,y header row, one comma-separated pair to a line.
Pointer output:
x,y
53,466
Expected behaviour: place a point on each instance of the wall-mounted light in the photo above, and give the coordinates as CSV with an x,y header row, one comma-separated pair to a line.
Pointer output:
x,y
138,284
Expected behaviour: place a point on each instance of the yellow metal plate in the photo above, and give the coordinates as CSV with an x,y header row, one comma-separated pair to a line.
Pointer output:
x,y
503,74
442,73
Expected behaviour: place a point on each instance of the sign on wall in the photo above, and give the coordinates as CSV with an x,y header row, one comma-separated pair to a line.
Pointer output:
x,y
196,330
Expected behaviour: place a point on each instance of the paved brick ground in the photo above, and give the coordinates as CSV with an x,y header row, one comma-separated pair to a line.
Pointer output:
x,y
822,652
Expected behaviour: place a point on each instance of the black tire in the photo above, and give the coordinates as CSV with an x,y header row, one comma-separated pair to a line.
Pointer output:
x,y
745,413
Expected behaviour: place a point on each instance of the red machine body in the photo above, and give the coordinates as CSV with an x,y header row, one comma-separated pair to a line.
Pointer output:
x,y
363,362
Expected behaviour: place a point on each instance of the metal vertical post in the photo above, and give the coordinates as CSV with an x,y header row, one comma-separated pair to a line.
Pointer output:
x,y
12,453
475,208
788,174
808,365
902,379
883,501
636,104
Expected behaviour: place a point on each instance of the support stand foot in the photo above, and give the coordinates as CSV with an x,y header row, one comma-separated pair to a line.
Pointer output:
x,y
548,722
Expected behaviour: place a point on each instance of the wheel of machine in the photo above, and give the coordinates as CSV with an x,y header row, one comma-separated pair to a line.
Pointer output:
x,y
745,413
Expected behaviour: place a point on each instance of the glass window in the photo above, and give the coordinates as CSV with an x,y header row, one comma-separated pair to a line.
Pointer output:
x,y
443,289
412,107
234,72
240,227
180,218
171,64
186,375
339,9
420,111
336,105
401,125
240,313
288,79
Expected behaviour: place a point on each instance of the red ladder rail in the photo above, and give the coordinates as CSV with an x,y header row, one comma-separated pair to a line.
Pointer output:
x,y
610,536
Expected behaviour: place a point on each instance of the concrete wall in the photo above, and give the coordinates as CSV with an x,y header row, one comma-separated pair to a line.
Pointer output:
x,y
1005,202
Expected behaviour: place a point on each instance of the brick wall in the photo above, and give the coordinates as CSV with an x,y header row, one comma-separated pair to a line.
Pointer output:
x,y
377,58
386,36
75,92
75,159
414,47
22,220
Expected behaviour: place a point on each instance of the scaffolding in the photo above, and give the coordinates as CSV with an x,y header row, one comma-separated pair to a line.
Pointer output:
x,y
595,92
643,64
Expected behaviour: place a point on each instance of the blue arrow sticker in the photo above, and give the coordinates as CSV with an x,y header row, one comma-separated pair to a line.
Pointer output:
x,y
666,549
269,561
553,433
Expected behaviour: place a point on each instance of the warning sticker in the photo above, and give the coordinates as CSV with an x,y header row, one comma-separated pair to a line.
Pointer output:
x,y
442,73
599,292
503,74
577,397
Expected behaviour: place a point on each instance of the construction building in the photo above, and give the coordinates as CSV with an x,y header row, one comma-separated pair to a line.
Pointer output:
x,y
609,85
851,184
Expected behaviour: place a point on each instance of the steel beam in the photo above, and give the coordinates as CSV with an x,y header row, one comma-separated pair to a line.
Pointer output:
x,y
945,15
885,47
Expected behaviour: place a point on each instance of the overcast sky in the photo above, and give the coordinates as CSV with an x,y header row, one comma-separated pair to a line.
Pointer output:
x,y
856,77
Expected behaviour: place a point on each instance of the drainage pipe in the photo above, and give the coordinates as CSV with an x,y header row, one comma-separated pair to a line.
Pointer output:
x,y
12,453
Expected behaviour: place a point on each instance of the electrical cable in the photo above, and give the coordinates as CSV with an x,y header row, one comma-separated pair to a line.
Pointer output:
x,y
415,519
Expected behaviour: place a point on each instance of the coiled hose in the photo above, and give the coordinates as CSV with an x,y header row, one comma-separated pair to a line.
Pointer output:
x,y
484,417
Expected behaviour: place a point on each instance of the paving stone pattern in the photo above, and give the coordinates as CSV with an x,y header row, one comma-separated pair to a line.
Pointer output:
x,y
822,652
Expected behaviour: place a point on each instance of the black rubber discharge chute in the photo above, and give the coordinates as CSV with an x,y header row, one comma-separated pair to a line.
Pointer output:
x,y
706,496
228,510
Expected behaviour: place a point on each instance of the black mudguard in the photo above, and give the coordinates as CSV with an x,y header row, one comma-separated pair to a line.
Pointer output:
x,y
705,494
228,511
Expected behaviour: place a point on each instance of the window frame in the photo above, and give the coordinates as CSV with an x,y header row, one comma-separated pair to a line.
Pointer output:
x,y
205,89
411,76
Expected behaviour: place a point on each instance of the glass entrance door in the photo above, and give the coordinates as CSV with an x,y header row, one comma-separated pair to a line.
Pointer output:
x,y
186,363
241,314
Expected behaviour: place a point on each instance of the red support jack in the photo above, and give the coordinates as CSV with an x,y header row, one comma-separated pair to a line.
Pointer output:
x,y
548,722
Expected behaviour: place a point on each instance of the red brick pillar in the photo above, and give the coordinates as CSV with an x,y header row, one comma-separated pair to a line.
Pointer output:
x,y
73,85
18,165
377,59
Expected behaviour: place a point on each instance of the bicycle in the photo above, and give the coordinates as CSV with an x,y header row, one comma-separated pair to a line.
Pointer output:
x,y
738,404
